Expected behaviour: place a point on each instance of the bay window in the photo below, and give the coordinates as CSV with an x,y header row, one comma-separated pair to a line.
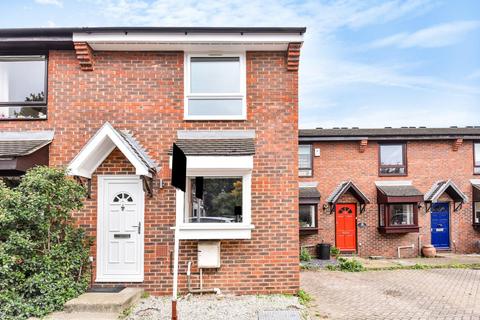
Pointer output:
x,y
476,213
214,200
398,217
307,216
392,159
215,87
23,87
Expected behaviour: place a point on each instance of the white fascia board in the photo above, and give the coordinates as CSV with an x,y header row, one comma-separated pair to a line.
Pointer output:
x,y
187,42
219,163
215,233
97,149
475,181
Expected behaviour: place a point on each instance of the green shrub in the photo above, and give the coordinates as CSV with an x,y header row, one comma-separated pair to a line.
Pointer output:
x,y
305,255
303,297
350,265
43,256
334,251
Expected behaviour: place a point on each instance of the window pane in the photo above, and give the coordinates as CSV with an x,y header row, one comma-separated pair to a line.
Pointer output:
x,y
307,216
392,170
391,154
304,157
215,75
477,154
23,112
401,214
221,201
22,81
477,212
215,107
381,215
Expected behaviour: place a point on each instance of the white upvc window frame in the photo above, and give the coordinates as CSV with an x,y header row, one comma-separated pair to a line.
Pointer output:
x,y
216,96
222,166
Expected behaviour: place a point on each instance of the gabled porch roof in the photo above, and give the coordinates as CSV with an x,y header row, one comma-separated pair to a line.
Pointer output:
x,y
344,187
97,149
448,187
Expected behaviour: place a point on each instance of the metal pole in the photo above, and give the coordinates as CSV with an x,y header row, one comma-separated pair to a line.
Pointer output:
x,y
179,209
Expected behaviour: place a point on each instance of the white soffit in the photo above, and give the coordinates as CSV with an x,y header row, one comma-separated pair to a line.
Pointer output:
x,y
97,149
136,41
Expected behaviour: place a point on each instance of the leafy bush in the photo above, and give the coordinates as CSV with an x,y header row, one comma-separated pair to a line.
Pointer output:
x,y
334,251
303,297
305,255
43,255
350,265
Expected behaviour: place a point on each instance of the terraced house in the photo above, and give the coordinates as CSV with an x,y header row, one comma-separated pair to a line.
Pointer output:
x,y
108,103
387,192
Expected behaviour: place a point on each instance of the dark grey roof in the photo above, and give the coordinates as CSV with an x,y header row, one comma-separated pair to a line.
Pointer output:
x,y
67,32
17,144
138,150
308,192
400,191
217,147
342,188
447,186
389,133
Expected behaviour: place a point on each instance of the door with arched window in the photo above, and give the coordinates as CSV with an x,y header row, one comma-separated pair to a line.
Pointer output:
x,y
346,226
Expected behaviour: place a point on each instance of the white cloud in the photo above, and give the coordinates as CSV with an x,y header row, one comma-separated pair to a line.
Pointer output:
x,y
474,75
441,35
50,2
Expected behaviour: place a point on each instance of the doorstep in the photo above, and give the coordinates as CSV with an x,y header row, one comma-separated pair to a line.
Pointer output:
x,y
111,302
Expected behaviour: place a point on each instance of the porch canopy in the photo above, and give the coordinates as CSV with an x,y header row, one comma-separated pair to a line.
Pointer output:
x,y
344,187
20,151
97,149
308,194
448,187
398,194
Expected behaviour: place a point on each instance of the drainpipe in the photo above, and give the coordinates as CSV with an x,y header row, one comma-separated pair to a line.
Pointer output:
x,y
176,249
201,290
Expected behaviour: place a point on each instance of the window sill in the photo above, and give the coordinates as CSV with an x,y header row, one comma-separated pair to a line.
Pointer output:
x,y
305,231
215,231
393,175
215,118
389,230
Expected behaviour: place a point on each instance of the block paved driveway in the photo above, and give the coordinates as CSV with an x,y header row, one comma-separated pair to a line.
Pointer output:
x,y
397,294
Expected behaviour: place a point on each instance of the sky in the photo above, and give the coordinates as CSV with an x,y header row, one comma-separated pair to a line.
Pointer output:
x,y
364,63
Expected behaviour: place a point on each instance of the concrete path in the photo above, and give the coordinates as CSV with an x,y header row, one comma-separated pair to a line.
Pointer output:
x,y
444,294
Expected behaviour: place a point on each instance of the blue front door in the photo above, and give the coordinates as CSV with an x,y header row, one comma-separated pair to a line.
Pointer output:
x,y
440,225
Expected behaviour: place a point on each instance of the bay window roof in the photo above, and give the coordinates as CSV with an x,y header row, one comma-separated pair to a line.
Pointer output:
x,y
398,194
217,147
308,195
20,151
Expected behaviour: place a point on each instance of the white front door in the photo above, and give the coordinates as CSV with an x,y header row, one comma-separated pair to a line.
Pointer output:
x,y
120,229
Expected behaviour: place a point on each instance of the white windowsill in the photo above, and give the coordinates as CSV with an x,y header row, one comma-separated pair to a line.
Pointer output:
x,y
222,231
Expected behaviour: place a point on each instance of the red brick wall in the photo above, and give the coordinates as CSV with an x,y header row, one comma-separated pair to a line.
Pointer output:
x,y
428,162
143,92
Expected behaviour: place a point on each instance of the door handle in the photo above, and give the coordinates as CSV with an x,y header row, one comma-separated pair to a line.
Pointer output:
x,y
139,227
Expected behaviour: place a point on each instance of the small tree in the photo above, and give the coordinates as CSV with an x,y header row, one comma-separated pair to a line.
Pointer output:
x,y
43,255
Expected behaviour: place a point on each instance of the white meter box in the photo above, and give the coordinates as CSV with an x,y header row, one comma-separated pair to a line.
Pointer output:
x,y
209,254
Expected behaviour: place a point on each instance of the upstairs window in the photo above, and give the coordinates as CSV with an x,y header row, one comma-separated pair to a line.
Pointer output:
x,y
476,158
305,160
215,87
392,160
23,87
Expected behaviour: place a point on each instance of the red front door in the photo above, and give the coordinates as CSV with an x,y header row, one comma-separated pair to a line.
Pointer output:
x,y
346,227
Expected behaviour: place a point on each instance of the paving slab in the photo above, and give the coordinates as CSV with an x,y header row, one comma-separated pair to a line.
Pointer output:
x,y
447,294
279,315
82,316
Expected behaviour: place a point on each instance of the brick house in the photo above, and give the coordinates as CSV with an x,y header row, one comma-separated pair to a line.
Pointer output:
x,y
108,103
385,192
